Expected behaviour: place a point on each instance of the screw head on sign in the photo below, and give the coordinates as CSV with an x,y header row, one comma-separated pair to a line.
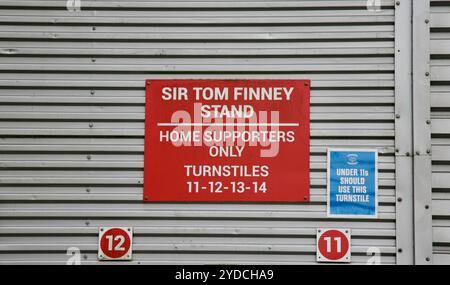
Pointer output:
x,y
397,3
427,21
101,229
399,199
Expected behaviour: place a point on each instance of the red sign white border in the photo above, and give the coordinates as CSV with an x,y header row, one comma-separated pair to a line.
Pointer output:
x,y
347,258
127,256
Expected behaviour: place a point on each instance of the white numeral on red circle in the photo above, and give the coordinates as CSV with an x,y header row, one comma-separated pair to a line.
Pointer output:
x,y
119,246
338,243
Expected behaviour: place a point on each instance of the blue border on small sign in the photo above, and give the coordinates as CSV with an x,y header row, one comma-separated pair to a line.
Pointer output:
x,y
352,183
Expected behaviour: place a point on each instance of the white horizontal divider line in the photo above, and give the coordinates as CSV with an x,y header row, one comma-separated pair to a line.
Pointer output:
x,y
229,124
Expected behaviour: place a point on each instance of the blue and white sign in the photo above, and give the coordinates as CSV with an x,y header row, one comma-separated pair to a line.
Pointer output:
x,y
352,183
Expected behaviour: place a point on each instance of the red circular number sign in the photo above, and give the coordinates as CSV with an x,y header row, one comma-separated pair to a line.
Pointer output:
x,y
333,245
115,243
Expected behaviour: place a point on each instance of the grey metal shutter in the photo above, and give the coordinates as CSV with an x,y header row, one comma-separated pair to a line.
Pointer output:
x,y
440,107
72,122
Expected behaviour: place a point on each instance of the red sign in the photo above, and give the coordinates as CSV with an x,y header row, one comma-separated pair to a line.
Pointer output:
x,y
227,140
333,245
115,243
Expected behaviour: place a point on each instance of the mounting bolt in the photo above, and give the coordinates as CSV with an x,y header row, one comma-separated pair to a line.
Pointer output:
x,y
428,151
427,207
397,116
85,256
87,223
91,124
427,73
418,152
94,28
88,190
428,122
397,3
93,60
88,157
407,154
400,250
427,259
397,150
92,92
399,199
427,21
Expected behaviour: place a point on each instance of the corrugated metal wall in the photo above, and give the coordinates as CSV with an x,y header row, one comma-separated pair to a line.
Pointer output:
x,y
440,112
72,122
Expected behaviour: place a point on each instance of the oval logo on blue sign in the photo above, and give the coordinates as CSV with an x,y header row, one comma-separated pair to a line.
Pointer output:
x,y
352,159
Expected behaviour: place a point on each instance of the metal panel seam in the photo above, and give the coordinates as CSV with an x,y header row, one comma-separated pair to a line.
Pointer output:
x,y
403,133
422,133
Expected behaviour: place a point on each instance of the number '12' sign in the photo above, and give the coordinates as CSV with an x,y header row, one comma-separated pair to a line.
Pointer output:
x,y
115,243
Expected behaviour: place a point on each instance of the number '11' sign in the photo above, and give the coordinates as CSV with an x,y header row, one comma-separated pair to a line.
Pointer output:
x,y
333,245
